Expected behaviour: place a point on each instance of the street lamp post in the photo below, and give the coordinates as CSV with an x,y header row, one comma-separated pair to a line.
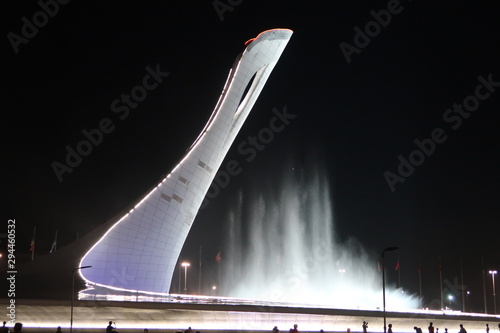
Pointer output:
x,y
185,265
494,293
73,295
387,249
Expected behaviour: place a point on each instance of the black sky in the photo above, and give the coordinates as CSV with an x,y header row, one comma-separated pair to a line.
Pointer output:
x,y
354,119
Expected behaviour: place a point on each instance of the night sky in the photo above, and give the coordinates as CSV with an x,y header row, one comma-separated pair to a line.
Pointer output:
x,y
365,95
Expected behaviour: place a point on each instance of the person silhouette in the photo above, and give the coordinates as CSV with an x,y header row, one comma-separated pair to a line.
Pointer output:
x,y
365,327
18,327
110,327
390,328
4,328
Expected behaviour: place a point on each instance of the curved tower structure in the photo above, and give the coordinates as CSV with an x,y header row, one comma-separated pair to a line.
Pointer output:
x,y
140,251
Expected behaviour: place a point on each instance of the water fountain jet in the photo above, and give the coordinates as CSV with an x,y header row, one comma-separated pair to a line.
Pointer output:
x,y
282,247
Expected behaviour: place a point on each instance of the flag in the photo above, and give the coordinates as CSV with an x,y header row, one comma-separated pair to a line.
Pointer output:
x,y
218,257
54,244
398,265
53,248
32,245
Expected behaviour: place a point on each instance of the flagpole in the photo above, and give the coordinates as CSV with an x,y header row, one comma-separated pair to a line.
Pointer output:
x,y
462,283
484,286
441,282
399,275
199,276
382,256
33,245
420,280
219,260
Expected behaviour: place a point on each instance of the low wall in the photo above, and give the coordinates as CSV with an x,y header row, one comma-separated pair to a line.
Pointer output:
x,y
133,317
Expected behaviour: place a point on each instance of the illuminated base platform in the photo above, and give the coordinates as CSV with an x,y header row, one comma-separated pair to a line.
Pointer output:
x,y
213,316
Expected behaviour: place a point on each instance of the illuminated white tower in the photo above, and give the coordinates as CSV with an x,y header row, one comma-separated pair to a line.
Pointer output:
x,y
140,251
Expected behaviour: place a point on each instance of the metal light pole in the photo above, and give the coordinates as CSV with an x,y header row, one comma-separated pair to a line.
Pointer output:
x,y
494,293
185,265
73,295
180,271
387,249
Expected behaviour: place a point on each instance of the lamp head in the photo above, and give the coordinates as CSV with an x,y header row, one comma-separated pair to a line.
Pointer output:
x,y
82,267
